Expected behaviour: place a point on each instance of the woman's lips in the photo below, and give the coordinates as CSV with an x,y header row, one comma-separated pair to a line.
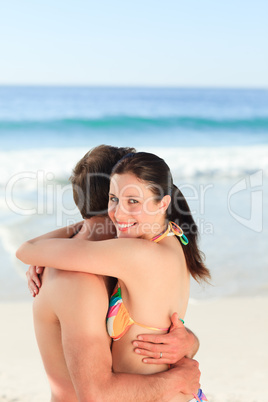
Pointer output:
x,y
123,227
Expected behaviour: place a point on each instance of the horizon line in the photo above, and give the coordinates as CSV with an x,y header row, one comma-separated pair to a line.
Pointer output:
x,y
132,86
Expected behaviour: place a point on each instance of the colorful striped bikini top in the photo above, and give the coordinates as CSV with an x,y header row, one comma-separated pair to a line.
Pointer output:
x,y
118,318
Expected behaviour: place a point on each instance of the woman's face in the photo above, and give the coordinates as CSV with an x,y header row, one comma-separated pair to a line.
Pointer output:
x,y
133,209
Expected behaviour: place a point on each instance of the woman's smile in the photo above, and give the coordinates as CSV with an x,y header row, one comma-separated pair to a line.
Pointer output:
x,y
124,226
133,208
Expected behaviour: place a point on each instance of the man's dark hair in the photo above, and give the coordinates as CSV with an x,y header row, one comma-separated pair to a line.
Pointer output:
x,y
91,179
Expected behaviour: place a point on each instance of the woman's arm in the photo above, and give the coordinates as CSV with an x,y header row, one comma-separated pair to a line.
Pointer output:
x,y
62,233
34,282
106,257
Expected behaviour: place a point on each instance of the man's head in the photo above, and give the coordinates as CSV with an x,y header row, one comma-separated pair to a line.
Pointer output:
x,y
91,179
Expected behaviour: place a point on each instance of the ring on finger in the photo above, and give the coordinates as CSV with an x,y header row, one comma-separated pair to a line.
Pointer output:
x,y
161,354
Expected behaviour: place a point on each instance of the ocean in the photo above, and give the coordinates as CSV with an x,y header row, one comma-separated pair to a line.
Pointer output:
x,y
214,140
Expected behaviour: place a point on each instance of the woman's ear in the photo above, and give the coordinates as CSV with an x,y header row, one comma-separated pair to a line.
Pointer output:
x,y
164,203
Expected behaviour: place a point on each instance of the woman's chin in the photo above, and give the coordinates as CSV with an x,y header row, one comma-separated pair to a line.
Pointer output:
x,y
124,235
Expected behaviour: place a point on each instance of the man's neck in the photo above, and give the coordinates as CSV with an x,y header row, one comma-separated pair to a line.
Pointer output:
x,y
98,228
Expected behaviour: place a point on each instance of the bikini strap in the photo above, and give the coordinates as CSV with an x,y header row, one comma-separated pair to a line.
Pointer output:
x,y
161,236
178,232
174,228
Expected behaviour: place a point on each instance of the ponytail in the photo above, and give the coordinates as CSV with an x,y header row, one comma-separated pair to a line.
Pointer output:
x,y
179,212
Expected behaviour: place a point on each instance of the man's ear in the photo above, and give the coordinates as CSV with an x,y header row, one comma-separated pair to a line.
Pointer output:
x,y
164,203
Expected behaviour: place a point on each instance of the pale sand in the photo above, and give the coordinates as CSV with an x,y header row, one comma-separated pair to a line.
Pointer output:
x,y
233,355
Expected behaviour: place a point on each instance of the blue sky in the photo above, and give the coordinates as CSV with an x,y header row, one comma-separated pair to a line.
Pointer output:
x,y
143,42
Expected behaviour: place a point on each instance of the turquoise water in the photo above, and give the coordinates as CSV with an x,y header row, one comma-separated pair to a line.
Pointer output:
x,y
57,117
215,142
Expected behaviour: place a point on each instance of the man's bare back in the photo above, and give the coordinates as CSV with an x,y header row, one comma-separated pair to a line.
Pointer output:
x,y
70,324
65,300
60,309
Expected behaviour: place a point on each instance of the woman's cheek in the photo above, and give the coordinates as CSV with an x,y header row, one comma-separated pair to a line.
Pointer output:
x,y
111,212
137,211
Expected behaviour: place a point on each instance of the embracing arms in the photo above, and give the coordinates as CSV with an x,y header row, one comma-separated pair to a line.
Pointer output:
x,y
65,232
103,385
178,343
93,256
88,357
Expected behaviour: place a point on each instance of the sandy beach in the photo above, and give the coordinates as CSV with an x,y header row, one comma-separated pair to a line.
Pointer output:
x,y
233,354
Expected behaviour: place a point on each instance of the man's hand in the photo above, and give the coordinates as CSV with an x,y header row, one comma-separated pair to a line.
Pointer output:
x,y
172,347
188,374
34,281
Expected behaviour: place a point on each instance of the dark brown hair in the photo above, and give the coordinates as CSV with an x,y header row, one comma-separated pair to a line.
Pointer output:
x,y
91,179
153,170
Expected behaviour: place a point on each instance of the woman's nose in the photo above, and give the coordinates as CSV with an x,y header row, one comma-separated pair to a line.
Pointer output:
x,y
120,212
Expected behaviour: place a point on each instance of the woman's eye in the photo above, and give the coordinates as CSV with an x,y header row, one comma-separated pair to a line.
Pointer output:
x,y
132,201
113,199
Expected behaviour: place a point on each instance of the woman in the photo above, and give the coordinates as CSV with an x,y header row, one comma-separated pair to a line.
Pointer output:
x,y
153,276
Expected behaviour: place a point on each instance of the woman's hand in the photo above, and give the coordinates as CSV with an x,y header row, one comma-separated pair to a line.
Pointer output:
x,y
168,348
34,281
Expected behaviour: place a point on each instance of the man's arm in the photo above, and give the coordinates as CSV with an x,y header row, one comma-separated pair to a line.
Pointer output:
x,y
93,379
179,342
86,347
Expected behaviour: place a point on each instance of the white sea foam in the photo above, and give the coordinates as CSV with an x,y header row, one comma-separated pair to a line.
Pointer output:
x,y
184,162
235,253
216,162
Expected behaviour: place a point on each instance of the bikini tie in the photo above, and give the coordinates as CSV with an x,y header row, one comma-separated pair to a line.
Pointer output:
x,y
174,228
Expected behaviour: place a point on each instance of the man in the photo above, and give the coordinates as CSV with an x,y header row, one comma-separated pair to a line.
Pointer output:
x,y
70,313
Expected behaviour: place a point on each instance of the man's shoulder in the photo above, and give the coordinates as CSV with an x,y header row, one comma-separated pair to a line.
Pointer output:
x,y
68,295
62,280
74,284
63,290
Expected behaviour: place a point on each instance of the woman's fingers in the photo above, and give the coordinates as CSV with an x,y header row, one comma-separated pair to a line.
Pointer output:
x,y
32,286
40,270
33,280
33,289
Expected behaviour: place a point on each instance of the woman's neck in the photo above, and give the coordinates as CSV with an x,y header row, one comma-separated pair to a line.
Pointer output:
x,y
156,230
